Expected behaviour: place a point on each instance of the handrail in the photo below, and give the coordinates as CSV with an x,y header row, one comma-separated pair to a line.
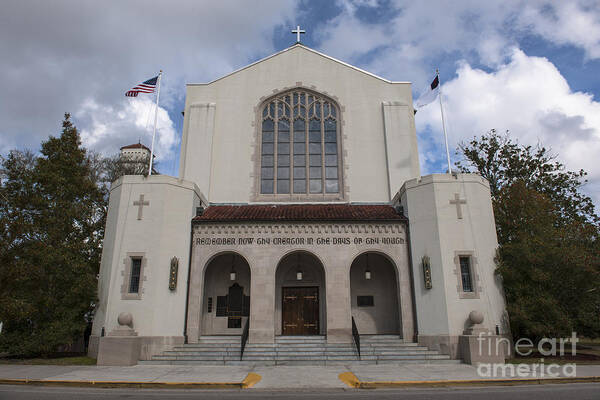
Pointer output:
x,y
356,337
245,337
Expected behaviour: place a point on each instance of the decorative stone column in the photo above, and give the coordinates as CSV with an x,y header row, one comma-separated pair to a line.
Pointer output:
x,y
339,319
262,302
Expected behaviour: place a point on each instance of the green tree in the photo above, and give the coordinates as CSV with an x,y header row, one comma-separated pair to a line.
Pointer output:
x,y
51,227
502,162
548,235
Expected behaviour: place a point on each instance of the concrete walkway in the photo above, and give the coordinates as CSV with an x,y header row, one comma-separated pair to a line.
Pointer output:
x,y
271,377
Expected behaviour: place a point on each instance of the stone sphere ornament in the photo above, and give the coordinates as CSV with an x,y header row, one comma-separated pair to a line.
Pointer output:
x,y
476,317
125,319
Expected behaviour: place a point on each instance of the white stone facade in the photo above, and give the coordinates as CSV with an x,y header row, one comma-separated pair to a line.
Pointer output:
x,y
364,265
444,231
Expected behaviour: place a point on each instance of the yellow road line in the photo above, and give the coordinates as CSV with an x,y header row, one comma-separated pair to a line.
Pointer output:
x,y
352,380
349,379
250,380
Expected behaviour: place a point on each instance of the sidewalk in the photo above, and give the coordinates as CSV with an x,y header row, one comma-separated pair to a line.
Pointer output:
x,y
271,377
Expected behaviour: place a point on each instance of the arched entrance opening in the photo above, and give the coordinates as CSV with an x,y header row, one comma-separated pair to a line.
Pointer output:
x,y
226,302
374,295
300,295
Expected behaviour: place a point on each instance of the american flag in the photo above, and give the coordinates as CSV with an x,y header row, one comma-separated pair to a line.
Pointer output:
x,y
145,87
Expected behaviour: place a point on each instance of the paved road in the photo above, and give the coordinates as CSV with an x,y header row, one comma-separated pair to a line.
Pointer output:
x,y
546,392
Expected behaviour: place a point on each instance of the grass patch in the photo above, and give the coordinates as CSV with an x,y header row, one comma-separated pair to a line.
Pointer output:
x,y
81,360
584,355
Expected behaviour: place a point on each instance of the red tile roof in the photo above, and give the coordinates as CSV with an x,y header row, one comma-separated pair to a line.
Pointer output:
x,y
135,146
300,212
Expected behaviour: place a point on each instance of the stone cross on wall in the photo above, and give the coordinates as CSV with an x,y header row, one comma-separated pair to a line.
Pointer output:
x,y
458,201
140,203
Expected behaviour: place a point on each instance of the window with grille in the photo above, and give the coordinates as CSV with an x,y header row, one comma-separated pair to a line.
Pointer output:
x,y
299,145
134,277
465,274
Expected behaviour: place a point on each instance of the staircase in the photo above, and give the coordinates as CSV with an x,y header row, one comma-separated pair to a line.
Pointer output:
x,y
390,349
299,350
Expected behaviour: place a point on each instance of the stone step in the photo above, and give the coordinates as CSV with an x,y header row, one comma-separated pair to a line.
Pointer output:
x,y
324,350
391,349
196,358
309,351
300,345
306,344
297,354
210,337
290,341
430,362
206,345
220,339
201,353
299,350
300,362
301,337
403,353
417,357
384,344
380,337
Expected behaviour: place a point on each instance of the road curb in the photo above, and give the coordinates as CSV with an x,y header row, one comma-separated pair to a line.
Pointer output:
x,y
352,380
250,380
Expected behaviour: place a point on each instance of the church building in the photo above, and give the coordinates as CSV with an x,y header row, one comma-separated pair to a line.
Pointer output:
x,y
299,216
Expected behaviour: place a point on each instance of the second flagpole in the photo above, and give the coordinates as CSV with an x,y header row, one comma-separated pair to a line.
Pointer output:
x,y
437,71
156,119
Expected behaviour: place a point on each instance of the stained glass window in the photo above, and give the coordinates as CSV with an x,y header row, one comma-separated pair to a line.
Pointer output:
x,y
299,145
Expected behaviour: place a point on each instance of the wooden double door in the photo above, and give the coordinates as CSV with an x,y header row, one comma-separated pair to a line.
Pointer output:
x,y
300,311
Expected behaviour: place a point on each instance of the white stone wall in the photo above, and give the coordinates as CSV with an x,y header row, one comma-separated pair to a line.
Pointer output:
x,y
220,126
436,231
163,232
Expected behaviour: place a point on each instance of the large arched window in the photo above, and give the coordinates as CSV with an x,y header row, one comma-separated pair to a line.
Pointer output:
x,y
299,145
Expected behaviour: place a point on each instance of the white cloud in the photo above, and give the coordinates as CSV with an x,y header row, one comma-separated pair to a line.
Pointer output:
x,y
529,97
420,32
58,56
566,22
346,36
106,129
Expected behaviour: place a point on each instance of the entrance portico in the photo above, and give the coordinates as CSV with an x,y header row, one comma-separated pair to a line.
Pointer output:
x,y
284,248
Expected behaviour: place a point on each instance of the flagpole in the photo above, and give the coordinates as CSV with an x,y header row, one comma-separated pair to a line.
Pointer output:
x,y
155,120
437,72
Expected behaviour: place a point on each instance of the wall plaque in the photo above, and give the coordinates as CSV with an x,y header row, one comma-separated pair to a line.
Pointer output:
x,y
427,272
365,301
173,273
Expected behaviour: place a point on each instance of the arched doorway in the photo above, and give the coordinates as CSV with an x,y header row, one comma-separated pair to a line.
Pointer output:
x,y
226,303
300,295
374,294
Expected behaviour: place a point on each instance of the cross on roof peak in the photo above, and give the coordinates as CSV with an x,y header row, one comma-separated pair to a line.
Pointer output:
x,y
298,31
